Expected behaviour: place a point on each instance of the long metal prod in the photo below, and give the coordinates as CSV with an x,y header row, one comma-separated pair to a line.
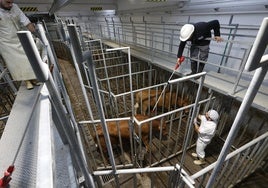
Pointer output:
x,y
176,67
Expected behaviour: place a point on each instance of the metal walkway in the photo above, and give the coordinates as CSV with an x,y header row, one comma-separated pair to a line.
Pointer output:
x,y
26,142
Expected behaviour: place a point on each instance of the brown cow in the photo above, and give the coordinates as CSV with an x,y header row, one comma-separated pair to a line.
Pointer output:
x,y
125,133
166,100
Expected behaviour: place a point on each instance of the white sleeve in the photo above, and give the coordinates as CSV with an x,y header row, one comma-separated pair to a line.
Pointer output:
x,y
24,20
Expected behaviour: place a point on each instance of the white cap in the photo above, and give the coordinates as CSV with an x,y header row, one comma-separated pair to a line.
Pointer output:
x,y
186,32
213,114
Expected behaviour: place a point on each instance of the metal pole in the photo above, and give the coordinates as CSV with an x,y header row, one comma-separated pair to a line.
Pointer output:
x,y
50,54
93,78
43,75
76,51
78,54
248,99
254,61
202,74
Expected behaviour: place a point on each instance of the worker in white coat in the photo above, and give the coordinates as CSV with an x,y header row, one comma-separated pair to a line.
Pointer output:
x,y
205,126
12,20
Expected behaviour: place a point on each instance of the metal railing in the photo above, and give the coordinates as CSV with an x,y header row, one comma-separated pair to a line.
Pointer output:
x,y
228,57
237,165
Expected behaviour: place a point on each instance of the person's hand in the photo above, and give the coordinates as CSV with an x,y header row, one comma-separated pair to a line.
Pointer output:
x,y
195,120
178,61
218,39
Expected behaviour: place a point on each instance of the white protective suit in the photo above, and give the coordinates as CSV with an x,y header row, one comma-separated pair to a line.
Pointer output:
x,y
10,46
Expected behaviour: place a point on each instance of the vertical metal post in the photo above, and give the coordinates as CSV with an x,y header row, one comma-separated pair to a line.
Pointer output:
x,y
78,59
242,67
77,50
93,78
81,38
108,28
185,145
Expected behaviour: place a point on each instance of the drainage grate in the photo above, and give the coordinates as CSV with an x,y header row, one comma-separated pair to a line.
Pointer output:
x,y
105,179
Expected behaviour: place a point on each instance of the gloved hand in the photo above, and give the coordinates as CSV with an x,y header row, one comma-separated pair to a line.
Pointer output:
x,y
179,61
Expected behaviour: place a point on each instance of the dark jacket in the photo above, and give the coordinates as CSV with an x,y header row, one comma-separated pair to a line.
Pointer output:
x,y
202,30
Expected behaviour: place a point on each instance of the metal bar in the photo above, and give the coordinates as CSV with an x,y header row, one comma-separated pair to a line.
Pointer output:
x,y
231,41
257,58
135,170
261,156
3,72
58,79
258,155
239,75
186,178
93,78
75,52
178,132
227,44
243,168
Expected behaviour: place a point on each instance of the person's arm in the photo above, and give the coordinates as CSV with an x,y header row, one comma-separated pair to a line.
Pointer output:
x,y
197,123
215,26
24,20
180,51
181,48
196,128
31,27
